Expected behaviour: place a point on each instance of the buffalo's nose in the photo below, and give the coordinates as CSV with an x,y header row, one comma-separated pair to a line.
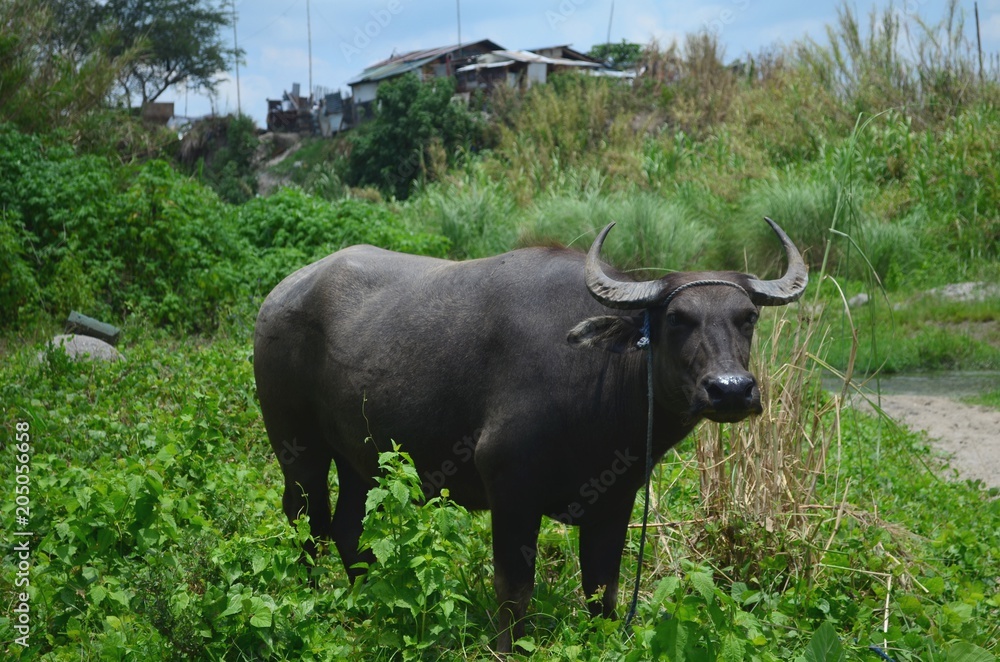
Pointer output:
x,y
733,392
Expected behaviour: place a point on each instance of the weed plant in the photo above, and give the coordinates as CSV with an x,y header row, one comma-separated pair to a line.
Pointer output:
x,y
87,233
158,532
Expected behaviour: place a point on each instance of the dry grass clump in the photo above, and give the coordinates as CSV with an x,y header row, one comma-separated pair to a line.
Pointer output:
x,y
692,83
573,122
759,478
928,70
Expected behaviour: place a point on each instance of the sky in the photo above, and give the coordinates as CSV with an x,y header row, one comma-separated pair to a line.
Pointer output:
x,y
348,36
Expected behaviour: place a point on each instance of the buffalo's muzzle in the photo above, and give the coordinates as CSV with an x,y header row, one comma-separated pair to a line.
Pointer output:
x,y
730,397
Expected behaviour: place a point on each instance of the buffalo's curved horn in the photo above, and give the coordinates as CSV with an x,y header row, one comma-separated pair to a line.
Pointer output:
x,y
643,294
616,293
789,287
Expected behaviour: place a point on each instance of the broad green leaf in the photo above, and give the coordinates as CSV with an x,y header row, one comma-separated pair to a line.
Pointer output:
x,y
383,549
704,584
958,612
963,651
732,648
400,492
934,585
375,497
97,594
235,605
526,644
910,605
260,616
670,640
739,591
825,645
666,588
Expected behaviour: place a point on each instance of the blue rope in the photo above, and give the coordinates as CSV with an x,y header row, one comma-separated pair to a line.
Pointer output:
x,y
881,653
644,342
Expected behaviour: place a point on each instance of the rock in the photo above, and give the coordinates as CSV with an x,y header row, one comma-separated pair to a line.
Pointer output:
x,y
972,291
857,300
84,348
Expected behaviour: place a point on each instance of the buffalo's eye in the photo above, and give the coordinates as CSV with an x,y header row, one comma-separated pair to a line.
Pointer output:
x,y
749,323
673,320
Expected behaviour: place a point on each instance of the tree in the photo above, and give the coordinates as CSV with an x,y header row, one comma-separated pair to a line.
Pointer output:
x,y
415,123
619,56
46,79
178,41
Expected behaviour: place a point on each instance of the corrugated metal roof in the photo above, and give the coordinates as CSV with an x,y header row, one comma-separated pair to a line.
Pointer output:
x,y
391,68
505,58
486,65
580,55
401,64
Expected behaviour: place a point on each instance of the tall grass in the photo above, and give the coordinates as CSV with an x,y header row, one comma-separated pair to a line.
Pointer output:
x,y
573,122
691,156
655,233
473,213
758,479
901,61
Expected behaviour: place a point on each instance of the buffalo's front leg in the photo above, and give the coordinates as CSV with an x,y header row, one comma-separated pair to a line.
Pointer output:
x,y
601,543
515,541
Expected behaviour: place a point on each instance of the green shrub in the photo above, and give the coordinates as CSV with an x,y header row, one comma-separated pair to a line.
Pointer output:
x,y
116,239
416,132
87,233
574,123
475,214
222,151
292,228
412,600
19,289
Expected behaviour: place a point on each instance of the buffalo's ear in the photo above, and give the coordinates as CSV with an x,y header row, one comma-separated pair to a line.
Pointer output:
x,y
612,333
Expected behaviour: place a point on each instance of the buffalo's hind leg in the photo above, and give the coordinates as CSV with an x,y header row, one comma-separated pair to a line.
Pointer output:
x,y
306,467
348,518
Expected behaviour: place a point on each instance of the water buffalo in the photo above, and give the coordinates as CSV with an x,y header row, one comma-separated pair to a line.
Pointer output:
x,y
518,382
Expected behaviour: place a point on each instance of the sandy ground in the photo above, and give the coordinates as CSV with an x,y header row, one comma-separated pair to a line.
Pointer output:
x,y
968,434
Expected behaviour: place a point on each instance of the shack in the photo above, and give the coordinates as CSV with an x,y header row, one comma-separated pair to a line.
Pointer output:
x,y
428,63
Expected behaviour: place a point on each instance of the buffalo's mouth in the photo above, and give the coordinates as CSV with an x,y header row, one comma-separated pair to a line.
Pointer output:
x,y
727,398
730,416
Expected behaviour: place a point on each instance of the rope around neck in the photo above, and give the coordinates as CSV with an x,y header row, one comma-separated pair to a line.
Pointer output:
x,y
649,464
644,343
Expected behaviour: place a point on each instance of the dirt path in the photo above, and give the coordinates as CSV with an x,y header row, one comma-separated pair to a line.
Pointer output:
x,y
969,434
